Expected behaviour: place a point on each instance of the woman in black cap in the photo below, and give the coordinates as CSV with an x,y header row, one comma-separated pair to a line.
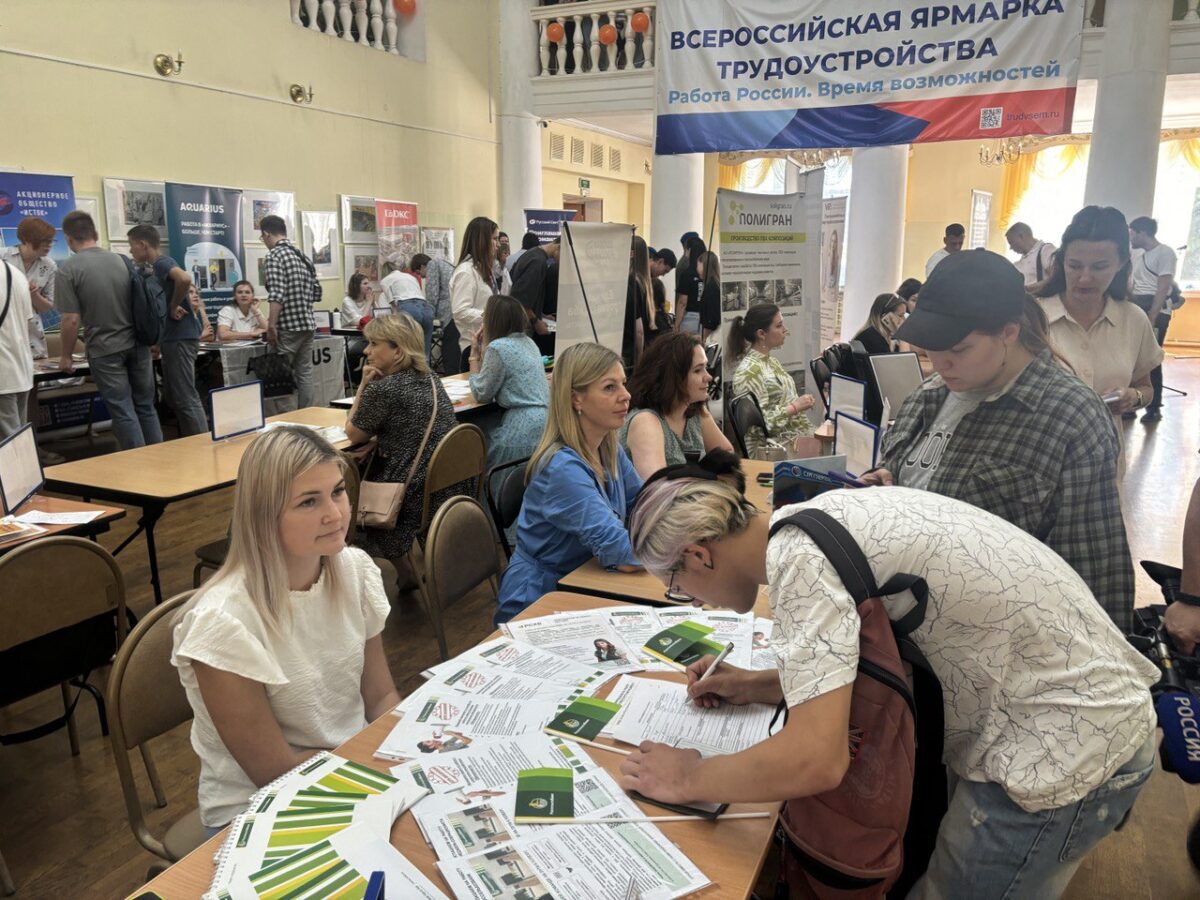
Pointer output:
x,y
1003,426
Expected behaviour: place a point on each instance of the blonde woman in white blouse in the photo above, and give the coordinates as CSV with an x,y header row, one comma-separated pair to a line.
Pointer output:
x,y
471,284
281,653
240,319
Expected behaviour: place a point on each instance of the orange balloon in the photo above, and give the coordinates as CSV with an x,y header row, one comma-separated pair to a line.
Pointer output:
x,y
405,8
554,32
640,22
608,34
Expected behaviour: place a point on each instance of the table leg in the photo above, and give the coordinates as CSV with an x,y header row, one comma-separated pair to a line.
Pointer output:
x,y
150,515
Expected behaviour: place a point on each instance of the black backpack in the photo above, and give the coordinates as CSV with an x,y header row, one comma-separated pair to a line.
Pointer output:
x,y
148,303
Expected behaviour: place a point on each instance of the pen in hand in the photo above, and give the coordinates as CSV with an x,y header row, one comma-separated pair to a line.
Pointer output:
x,y
716,662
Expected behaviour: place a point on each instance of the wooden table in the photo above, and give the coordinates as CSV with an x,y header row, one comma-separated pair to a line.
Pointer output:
x,y
730,853
42,503
47,370
157,475
642,587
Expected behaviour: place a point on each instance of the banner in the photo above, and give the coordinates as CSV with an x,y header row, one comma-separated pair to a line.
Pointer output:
x,y
205,229
547,223
596,254
764,75
767,257
833,251
396,224
48,197
438,243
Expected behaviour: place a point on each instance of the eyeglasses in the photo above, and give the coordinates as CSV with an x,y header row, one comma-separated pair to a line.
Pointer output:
x,y
674,594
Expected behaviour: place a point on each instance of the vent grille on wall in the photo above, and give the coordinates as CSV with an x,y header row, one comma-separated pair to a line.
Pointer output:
x,y
577,151
614,159
558,147
597,156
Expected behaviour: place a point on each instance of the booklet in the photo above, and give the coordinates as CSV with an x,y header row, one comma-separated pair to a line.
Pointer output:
x,y
584,718
544,794
473,772
636,625
523,659
762,653
683,643
585,638
450,722
727,627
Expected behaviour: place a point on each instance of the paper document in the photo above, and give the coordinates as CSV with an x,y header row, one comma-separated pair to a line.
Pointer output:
x,y
331,433
63,518
476,769
11,529
452,722
524,659
636,625
858,441
763,654
480,680
585,638
726,627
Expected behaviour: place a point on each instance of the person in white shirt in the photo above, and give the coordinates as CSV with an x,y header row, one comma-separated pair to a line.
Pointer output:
x,y
471,285
281,653
1048,716
240,320
952,242
1150,286
16,360
358,302
1037,257
32,257
401,291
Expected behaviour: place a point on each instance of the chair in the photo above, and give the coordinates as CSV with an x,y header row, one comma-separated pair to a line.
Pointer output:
x,y
459,555
821,378
460,456
57,610
744,414
212,555
505,489
148,700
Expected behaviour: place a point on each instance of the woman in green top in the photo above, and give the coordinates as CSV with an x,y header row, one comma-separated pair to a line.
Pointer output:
x,y
668,420
751,339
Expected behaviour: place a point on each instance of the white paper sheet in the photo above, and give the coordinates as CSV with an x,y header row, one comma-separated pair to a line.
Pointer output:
x,y
522,658
579,637
451,722
63,518
858,441
763,654
726,626
477,769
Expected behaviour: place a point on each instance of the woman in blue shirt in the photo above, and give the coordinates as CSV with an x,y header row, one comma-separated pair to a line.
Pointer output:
x,y
506,366
581,485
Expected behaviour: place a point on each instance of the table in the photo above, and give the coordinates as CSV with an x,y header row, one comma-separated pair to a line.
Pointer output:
x,y
47,370
467,408
157,475
730,853
642,587
42,503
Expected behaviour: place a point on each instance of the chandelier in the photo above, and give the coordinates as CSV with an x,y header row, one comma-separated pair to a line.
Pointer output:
x,y
1004,152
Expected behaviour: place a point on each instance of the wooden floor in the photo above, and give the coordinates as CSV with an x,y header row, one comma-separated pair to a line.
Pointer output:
x,y
63,829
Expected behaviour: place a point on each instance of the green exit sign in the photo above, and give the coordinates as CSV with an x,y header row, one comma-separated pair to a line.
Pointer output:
x,y
585,186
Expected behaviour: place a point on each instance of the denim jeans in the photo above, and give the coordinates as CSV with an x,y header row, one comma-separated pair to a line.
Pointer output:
x,y
179,384
422,312
297,346
126,383
13,413
988,847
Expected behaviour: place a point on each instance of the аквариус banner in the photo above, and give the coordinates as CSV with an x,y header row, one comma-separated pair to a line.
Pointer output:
x,y
205,229
763,75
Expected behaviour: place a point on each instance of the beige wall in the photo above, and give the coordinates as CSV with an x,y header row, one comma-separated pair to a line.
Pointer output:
x,y
626,194
380,125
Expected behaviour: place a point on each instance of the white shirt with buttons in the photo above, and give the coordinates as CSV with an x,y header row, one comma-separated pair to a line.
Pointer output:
x,y
1117,351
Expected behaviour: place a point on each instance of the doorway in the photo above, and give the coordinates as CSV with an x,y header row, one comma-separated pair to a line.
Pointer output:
x,y
587,209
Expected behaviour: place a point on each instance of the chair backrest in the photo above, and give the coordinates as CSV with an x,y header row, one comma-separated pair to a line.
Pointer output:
x,y
821,378
873,402
352,484
505,491
145,700
56,582
460,456
745,413
459,552
840,360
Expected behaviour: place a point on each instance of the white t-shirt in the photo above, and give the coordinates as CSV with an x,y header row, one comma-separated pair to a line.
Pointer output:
x,y
1027,265
353,311
230,315
16,358
1042,694
932,262
1148,265
41,276
398,286
312,670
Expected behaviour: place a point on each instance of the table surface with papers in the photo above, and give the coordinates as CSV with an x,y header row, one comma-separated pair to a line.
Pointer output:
x,y
729,853
40,503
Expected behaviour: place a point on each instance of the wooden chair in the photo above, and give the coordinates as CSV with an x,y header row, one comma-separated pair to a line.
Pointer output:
x,y
147,700
460,554
62,614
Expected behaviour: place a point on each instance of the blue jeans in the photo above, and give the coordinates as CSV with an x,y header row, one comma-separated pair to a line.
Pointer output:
x,y
988,847
126,383
422,312
179,384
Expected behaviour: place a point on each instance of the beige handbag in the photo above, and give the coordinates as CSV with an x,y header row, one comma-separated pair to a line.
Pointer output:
x,y
379,502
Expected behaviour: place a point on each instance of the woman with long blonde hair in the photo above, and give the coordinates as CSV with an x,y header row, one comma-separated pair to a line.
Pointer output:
x,y
280,653
580,483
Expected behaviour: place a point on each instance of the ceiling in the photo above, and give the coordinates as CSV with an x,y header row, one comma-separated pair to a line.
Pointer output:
x,y
637,127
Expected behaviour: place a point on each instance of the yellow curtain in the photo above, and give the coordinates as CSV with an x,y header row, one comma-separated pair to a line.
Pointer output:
x,y
729,177
1188,150
1017,177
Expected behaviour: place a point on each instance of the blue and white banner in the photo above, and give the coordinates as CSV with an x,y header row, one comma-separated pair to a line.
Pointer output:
x,y
763,75
48,197
547,223
204,225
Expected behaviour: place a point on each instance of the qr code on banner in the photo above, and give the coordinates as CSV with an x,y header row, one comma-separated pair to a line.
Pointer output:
x,y
991,117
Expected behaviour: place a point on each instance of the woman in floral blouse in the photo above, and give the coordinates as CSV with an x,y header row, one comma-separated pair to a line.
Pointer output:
x,y
751,339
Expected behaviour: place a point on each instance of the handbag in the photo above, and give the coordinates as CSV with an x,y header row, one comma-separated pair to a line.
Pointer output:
x,y
273,370
379,502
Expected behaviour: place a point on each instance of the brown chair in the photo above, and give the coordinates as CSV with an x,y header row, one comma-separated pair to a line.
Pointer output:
x,y
460,554
62,614
147,700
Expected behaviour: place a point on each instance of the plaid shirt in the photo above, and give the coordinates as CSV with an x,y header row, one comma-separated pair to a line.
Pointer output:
x,y
1043,456
291,283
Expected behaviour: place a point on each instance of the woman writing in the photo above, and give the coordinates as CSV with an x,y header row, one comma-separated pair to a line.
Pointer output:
x,y
581,484
1031,678
708,272
393,407
506,367
280,652
668,421
887,312
1002,426
751,339
240,320
471,284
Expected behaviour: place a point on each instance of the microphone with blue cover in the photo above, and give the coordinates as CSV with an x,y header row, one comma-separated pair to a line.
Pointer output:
x,y
1178,716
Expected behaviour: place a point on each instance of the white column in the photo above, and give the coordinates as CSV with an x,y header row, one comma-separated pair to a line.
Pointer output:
x,y
1123,161
677,203
874,230
520,136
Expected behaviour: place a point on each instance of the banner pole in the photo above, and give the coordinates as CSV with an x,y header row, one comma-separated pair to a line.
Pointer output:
x,y
713,224
566,227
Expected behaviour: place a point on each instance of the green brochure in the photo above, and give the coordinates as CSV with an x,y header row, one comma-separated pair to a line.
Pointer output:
x,y
544,794
683,643
585,718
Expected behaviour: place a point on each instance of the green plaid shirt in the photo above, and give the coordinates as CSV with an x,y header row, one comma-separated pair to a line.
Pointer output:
x,y
1043,456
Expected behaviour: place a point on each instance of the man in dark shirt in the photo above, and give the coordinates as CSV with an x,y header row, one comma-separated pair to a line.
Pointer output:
x,y
529,277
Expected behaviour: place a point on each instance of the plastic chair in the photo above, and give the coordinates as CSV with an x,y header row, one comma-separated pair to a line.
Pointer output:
x,y
744,414
63,614
451,573
147,700
505,488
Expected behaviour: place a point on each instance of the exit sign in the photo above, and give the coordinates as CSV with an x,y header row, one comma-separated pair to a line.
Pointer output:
x,y
585,187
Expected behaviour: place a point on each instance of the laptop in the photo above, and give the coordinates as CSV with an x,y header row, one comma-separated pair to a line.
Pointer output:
x,y
896,375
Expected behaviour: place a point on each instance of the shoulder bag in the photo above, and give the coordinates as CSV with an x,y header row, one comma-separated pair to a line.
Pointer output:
x,y
379,502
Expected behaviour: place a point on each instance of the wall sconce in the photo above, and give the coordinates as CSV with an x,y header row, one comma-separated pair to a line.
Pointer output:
x,y
166,67
646,167
299,95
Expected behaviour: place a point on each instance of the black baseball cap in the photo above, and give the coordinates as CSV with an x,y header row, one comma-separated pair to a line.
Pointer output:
x,y
972,290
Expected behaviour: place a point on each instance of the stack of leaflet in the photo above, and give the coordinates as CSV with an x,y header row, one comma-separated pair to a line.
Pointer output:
x,y
307,806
